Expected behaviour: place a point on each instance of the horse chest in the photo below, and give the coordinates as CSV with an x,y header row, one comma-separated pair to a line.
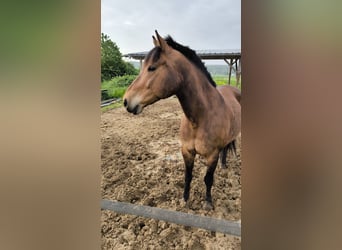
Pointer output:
x,y
204,142
204,138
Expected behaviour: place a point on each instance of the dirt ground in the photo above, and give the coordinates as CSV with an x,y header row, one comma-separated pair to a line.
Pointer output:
x,y
142,164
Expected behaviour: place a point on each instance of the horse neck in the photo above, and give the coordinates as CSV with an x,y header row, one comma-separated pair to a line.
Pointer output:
x,y
196,95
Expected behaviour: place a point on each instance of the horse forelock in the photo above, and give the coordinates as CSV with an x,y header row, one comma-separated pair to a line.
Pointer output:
x,y
153,55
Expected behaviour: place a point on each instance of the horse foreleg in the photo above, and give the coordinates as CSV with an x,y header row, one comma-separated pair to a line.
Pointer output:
x,y
209,180
189,157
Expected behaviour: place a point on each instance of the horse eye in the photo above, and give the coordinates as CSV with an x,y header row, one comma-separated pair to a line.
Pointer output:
x,y
151,68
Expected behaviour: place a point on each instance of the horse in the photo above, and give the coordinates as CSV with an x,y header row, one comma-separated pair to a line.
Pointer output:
x,y
212,115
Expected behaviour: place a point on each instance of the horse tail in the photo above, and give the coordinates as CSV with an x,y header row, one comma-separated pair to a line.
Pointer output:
x,y
232,147
223,154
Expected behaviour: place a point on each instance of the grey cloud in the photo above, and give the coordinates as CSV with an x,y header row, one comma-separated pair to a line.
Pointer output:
x,y
202,24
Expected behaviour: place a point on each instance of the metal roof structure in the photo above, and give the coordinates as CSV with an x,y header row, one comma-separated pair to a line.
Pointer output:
x,y
203,54
231,57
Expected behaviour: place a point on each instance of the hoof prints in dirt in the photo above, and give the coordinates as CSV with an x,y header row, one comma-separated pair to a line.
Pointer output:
x,y
142,164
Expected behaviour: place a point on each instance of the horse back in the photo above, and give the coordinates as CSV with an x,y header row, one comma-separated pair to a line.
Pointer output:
x,y
232,98
227,90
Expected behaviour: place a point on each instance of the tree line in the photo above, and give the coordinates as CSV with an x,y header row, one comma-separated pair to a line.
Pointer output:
x,y
112,64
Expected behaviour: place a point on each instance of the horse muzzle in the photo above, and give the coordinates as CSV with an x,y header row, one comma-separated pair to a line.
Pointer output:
x,y
134,109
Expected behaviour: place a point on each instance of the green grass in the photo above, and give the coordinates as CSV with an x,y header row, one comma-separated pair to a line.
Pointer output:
x,y
118,92
223,80
117,86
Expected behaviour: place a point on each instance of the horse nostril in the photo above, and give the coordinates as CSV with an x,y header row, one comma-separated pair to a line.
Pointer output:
x,y
125,102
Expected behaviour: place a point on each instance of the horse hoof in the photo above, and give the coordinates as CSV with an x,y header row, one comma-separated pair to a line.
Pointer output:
x,y
185,204
208,206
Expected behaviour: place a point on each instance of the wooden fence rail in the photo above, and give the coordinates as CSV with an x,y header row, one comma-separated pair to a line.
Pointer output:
x,y
211,224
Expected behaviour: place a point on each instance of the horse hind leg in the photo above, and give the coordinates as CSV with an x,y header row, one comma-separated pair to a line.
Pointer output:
x,y
223,154
223,157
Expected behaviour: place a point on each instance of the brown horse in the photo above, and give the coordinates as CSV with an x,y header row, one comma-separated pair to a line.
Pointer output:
x,y
212,118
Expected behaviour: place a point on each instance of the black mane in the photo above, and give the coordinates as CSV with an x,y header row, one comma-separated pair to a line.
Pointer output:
x,y
191,56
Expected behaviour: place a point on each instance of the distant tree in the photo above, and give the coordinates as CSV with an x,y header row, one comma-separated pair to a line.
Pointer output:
x,y
111,60
130,69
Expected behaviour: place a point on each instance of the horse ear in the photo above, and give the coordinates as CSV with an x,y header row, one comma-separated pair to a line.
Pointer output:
x,y
162,43
155,41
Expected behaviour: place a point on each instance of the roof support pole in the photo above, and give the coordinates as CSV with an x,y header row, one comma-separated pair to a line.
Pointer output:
x,y
238,71
230,63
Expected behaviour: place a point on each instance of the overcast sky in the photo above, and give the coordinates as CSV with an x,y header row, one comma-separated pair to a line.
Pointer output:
x,y
200,24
